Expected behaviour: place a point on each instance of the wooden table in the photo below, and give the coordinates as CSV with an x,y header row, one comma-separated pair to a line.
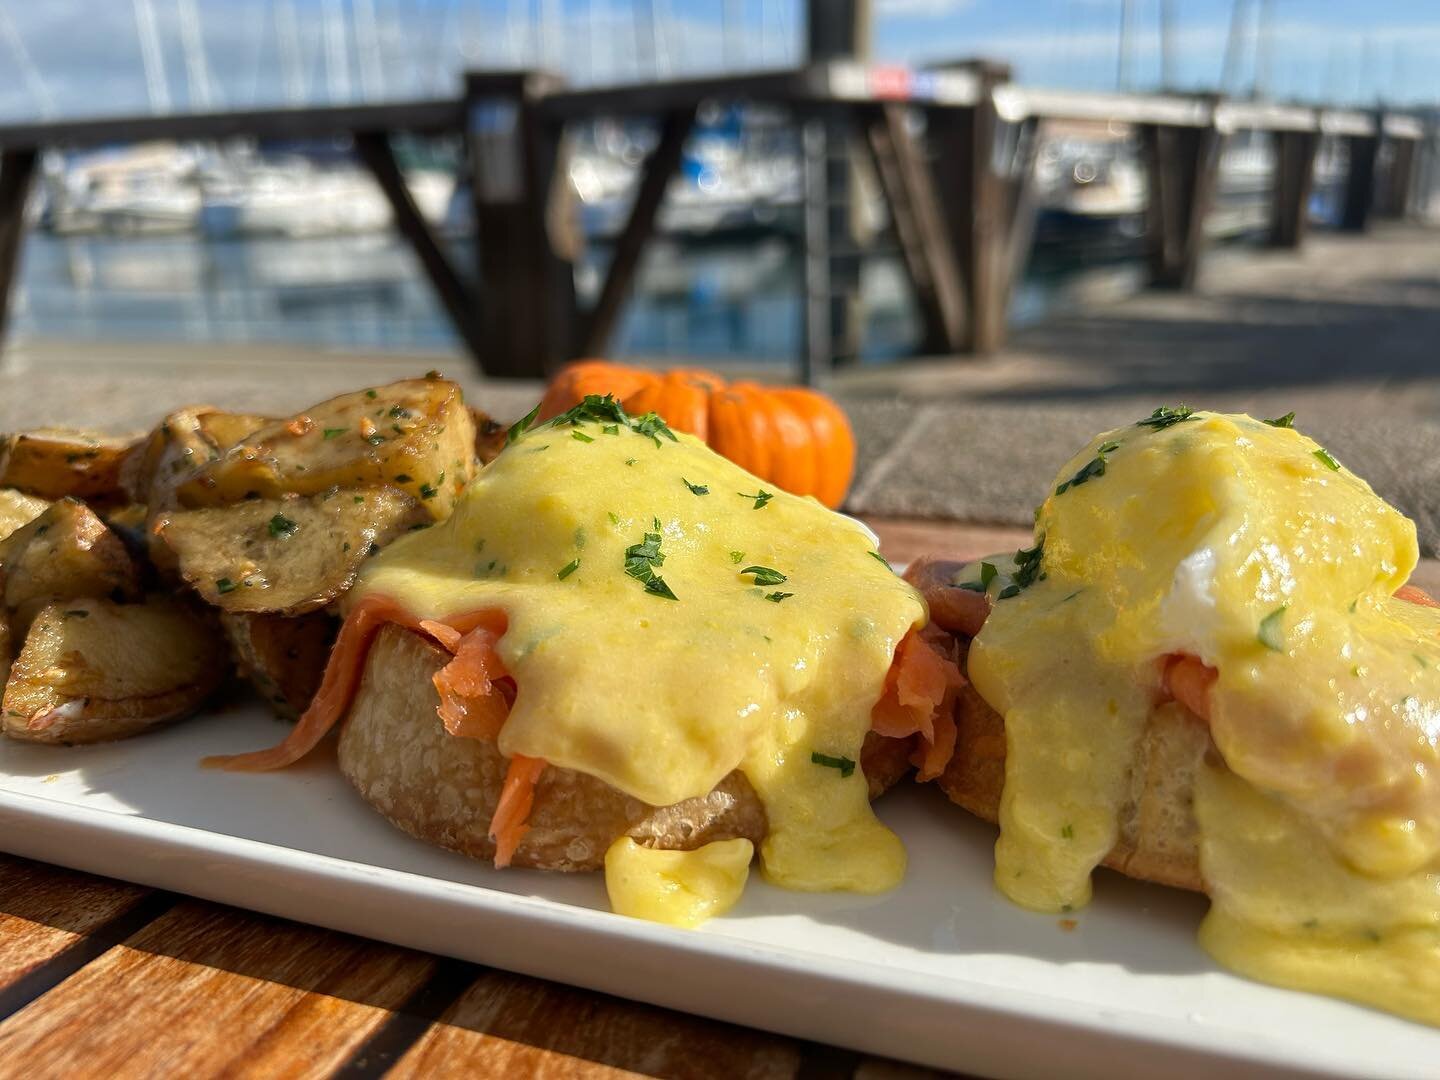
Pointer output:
x,y
104,978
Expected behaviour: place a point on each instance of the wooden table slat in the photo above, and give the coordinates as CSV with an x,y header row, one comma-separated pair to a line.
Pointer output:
x,y
205,990
509,1025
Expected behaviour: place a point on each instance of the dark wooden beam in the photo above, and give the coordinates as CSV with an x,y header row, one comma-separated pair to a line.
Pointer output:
x,y
456,295
990,210
659,168
17,167
1360,182
525,229
919,218
1397,191
1291,185
1182,163
420,117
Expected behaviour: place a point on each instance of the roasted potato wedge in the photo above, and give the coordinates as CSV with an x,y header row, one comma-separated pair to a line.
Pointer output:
x,y
17,508
66,552
416,435
92,670
490,435
185,440
287,555
283,657
55,462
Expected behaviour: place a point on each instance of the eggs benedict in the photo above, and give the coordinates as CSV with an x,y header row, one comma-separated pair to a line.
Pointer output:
x,y
1208,671
622,651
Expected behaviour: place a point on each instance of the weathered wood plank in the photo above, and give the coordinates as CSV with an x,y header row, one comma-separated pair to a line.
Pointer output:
x,y
658,169
205,990
506,1025
17,167
456,295
45,911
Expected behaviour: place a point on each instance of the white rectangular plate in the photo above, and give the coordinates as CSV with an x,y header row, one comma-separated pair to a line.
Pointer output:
x,y
942,971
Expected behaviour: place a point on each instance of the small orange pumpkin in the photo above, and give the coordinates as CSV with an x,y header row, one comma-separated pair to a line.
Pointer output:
x,y
797,439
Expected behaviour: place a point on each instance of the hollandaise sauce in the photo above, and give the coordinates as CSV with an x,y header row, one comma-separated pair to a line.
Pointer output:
x,y
1246,545
671,620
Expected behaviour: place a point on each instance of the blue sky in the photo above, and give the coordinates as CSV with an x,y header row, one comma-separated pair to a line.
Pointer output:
x,y
79,57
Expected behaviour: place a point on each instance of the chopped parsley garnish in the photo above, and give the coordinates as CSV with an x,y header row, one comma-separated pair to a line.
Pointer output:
x,y
1286,421
428,492
1094,467
224,585
776,597
399,412
987,575
1271,634
651,424
737,557
761,497
522,425
402,478
333,432
764,575
359,498
695,489
376,439
1165,416
1068,832
640,563
880,559
568,569
580,436
631,460
614,517
371,394
1027,565
611,429
844,764
1328,459
280,525
594,407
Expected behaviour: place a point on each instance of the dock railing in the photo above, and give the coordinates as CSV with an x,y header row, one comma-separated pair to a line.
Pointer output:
x,y
953,149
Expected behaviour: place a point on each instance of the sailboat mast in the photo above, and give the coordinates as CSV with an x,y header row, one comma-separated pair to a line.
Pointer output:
x,y
1167,45
337,59
156,85
287,35
1230,69
44,100
1122,60
197,67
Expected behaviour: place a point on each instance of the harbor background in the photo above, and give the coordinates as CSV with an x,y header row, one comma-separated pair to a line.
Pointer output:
x,y
292,243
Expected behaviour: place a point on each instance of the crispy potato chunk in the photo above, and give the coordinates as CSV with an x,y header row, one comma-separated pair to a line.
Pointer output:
x,y
416,435
179,445
283,657
92,670
66,552
288,555
55,462
17,508
490,435
443,789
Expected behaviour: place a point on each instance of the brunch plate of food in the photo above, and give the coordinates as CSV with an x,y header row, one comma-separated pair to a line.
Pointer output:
x,y
585,699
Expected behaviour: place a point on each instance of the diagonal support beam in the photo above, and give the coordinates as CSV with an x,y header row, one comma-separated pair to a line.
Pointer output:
x,y
660,166
920,226
373,147
17,167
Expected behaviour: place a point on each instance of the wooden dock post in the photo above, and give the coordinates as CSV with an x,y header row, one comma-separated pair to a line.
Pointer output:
x,y
17,167
1364,152
1396,192
920,226
526,234
1291,185
1182,164
991,212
